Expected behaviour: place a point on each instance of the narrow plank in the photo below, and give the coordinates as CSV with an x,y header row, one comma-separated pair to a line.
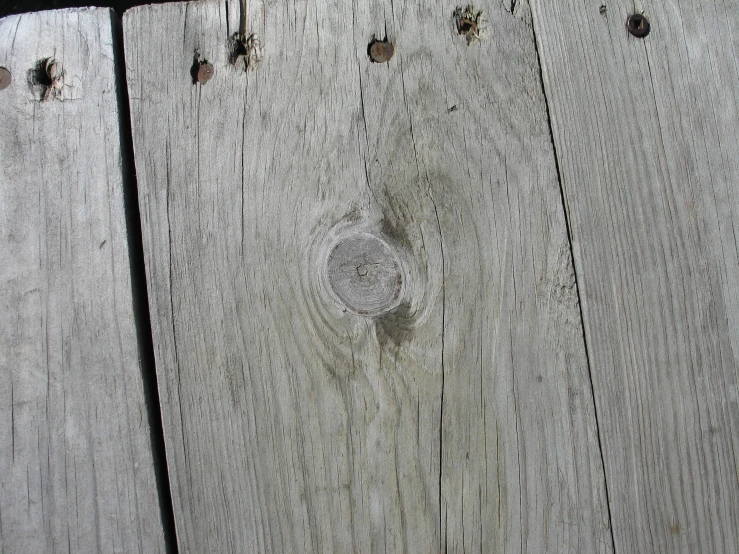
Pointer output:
x,y
76,467
646,134
363,304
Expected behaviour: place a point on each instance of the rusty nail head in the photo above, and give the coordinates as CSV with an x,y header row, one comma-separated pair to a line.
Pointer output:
x,y
5,78
380,51
638,25
205,72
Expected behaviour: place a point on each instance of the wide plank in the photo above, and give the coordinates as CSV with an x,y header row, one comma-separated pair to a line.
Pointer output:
x,y
76,465
646,132
363,307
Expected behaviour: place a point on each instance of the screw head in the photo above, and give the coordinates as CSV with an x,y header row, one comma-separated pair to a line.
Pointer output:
x,y
5,78
380,51
638,25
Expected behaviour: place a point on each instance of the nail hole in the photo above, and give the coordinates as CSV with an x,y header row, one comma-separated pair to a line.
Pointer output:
x,y
469,22
245,49
47,79
638,25
465,26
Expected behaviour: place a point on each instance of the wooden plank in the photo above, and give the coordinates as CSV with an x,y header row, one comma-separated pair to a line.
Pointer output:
x,y
76,467
646,135
363,304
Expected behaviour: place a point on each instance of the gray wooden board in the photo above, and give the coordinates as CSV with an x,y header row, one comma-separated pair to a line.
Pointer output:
x,y
460,419
76,468
646,136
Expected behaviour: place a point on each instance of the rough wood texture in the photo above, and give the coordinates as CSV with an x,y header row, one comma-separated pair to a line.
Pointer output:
x,y
460,419
76,469
646,135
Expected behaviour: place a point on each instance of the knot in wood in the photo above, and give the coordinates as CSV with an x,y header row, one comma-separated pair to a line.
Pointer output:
x,y
365,274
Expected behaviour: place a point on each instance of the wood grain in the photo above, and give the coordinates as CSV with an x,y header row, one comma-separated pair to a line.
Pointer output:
x,y
646,136
76,468
460,419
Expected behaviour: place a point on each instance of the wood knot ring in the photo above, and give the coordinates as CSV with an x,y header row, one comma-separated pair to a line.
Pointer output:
x,y
365,274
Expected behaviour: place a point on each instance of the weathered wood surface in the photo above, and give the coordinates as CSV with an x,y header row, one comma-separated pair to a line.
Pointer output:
x,y
646,136
456,415
76,469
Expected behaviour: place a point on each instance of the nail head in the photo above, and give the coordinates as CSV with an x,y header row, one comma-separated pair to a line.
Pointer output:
x,y
638,25
380,51
5,78
205,72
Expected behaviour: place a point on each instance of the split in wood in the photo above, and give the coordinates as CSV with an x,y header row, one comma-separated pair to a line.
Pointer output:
x,y
469,22
247,49
380,51
47,77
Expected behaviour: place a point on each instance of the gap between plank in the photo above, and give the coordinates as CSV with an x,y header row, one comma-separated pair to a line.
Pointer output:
x,y
141,313
537,47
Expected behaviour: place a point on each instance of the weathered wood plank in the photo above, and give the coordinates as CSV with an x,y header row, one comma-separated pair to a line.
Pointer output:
x,y
459,413
646,134
76,467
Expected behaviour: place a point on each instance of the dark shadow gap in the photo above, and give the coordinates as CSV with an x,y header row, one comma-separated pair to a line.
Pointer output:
x,y
140,294
577,281
11,7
